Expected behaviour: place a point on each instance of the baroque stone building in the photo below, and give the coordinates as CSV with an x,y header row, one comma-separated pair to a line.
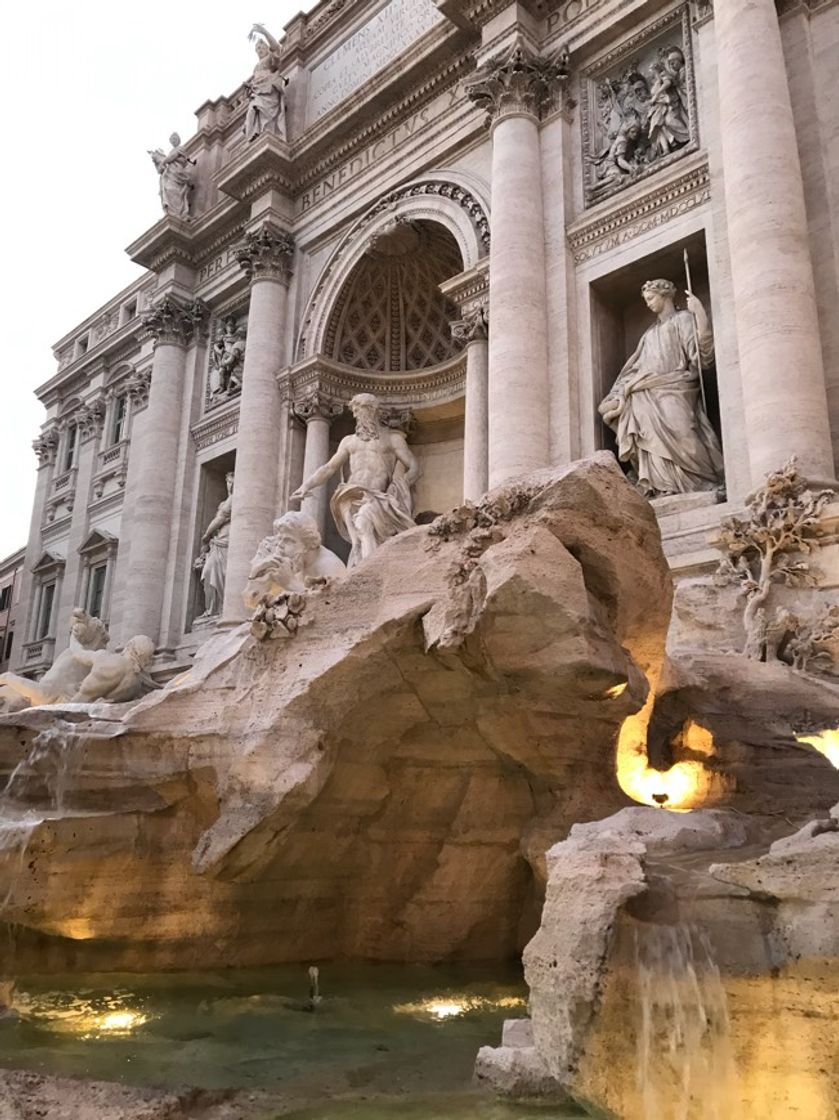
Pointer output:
x,y
452,204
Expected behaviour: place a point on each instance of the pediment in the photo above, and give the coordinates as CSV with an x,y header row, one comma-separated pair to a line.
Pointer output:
x,y
48,562
98,540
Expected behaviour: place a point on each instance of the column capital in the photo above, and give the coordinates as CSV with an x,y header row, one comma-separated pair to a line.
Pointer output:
x,y
517,82
138,385
472,327
90,418
316,405
173,321
265,254
45,447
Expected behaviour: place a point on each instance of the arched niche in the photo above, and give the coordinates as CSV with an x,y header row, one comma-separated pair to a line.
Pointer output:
x,y
456,203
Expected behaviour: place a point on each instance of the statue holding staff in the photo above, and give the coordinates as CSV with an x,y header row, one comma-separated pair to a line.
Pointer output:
x,y
655,406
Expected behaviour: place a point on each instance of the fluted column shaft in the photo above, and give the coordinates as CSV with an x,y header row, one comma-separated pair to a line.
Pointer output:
x,y
515,87
154,462
265,256
781,365
317,411
472,330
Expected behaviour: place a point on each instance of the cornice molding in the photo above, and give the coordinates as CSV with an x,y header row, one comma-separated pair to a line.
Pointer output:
x,y
618,223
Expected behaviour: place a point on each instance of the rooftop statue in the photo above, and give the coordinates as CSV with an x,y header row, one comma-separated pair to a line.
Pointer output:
x,y
64,677
655,406
175,171
212,559
266,102
374,502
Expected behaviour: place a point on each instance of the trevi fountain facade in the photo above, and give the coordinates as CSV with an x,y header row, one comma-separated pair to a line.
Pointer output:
x,y
434,566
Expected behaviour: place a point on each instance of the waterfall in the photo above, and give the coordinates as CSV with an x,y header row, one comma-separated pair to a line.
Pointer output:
x,y
34,793
685,1062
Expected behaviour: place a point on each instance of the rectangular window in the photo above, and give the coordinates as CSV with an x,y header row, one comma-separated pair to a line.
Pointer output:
x,y
118,422
70,448
82,345
7,653
129,310
96,590
45,613
5,598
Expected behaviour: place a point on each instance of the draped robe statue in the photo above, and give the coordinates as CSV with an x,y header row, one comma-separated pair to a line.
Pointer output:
x,y
211,562
655,406
374,501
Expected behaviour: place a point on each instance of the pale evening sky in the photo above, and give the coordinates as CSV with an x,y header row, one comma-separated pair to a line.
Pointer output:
x,y
90,87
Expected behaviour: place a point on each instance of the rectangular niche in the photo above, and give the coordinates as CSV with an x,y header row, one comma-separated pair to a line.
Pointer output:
x,y
211,492
619,318
638,107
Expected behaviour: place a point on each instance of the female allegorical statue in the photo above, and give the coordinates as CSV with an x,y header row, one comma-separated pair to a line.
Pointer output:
x,y
175,171
266,108
655,405
211,562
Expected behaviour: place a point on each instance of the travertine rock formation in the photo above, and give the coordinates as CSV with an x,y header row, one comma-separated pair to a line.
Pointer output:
x,y
665,956
385,783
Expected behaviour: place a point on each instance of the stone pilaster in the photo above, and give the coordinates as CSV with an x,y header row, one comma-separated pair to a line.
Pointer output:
x,y
317,411
89,418
153,465
472,331
515,88
781,365
265,256
45,447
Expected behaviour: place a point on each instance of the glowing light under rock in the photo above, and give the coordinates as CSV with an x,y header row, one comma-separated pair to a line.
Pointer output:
x,y
826,743
617,690
686,785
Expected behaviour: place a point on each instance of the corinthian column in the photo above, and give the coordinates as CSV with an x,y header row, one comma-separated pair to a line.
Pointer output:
x,y
472,330
153,464
265,255
514,88
317,411
781,366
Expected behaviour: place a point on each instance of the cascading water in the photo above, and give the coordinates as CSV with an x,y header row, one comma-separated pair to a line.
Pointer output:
x,y
685,1062
34,793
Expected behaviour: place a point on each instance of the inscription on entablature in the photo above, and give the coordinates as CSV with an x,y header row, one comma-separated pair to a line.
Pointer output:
x,y
370,49
376,151
216,265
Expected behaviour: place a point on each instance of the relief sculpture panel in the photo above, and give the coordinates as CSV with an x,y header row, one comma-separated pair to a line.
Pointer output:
x,y
639,107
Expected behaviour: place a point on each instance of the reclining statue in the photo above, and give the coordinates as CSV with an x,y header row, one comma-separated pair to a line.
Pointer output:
x,y
84,672
115,678
62,680
291,561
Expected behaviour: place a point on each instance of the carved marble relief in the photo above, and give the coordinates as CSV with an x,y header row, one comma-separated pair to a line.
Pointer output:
x,y
639,107
226,359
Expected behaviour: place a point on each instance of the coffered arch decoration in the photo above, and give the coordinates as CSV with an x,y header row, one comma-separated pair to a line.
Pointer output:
x,y
390,315
454,205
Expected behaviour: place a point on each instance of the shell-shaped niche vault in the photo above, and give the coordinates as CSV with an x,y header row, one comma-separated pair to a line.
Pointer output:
x,y
390,314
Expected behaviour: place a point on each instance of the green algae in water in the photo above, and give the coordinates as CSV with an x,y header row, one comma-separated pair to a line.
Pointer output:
x,y
407,1030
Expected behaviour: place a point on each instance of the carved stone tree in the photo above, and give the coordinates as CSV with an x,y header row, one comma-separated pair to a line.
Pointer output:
x,y
769,547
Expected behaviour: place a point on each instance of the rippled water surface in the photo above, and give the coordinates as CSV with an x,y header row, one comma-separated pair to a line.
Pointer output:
x,y
413,1031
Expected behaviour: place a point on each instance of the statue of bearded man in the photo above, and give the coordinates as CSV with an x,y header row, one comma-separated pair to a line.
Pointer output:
x,y
291,560
655,406
374,501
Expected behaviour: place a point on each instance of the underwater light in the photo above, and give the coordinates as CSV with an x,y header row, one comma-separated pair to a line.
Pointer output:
x,y
452,1007
119,1022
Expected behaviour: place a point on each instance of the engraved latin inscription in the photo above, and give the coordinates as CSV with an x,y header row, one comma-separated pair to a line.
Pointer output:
x,y
366,52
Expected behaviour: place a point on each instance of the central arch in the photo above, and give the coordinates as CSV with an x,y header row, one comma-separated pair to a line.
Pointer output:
x,y
436,198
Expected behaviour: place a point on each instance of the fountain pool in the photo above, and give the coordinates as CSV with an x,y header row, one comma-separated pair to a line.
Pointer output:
x,y
407,1031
